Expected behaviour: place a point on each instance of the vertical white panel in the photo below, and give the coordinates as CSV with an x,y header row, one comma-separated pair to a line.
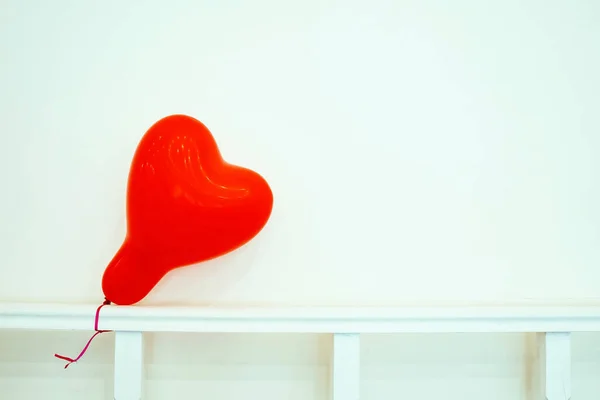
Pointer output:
x,y
345,377
129,365
558,366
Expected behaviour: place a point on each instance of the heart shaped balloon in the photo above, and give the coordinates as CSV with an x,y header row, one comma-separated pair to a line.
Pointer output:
x,y
185,205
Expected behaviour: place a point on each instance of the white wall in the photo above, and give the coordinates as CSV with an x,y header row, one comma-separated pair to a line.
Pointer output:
x,y
420,152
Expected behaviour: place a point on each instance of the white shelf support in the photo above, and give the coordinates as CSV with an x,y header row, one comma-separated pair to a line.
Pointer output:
x,y
345,376
558,365
129,365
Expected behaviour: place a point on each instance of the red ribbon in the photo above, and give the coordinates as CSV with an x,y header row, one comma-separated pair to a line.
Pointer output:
x,y
72,360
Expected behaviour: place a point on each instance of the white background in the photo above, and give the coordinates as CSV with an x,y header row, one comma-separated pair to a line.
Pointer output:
x,y
420,152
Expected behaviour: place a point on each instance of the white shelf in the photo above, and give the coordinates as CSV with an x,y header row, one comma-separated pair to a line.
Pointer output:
x,y
301,320
345,323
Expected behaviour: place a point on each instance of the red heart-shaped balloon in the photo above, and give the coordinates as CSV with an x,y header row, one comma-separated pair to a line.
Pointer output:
x,y
185,205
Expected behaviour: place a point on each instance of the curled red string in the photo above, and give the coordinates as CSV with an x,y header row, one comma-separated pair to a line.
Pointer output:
x,y
72,360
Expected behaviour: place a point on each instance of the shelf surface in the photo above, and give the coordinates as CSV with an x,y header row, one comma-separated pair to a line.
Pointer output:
x,y
301,320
